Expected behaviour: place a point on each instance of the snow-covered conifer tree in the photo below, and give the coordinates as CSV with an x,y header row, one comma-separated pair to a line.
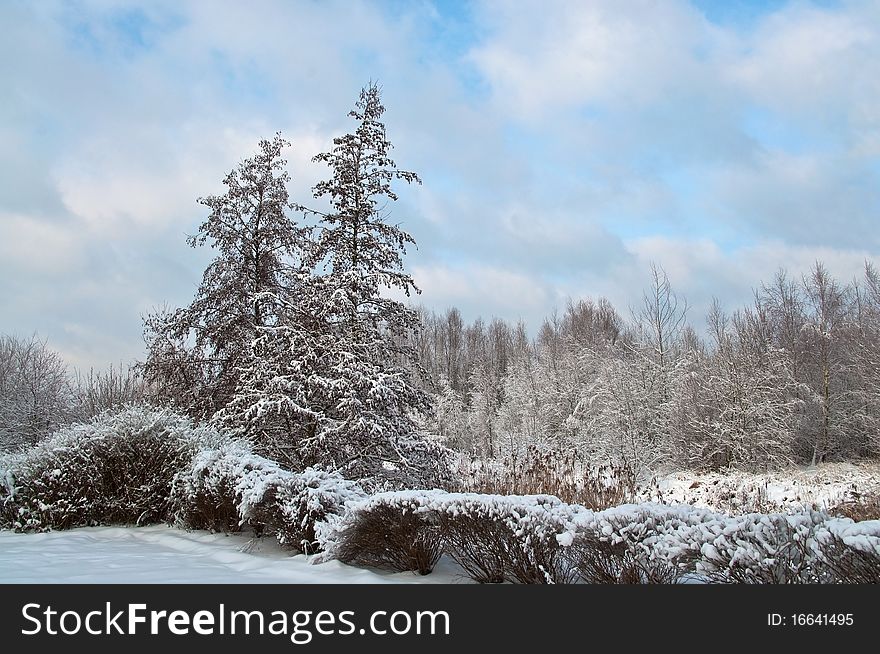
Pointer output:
x,y
195,353
368,392
329,383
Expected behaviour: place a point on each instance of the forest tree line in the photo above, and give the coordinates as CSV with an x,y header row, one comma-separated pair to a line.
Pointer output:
x,y
792,379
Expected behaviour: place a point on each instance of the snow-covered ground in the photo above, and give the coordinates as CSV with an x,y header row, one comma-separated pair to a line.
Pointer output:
x,y
160,554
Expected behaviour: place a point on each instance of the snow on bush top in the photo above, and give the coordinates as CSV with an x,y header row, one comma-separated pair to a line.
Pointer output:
x,y
265,495
251,476
116,468
140,465
659,532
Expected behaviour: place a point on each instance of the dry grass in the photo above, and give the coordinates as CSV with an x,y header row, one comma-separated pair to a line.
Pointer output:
x,y
563,475
859,507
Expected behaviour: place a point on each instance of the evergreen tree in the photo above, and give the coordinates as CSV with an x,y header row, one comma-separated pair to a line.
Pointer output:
x,y
195,353
369,395
330,383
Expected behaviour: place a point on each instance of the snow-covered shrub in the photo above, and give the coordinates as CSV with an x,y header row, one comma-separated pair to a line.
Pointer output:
x,y
842,563
631,543
389,531
494,538
498,538
203,493
806,547
229,487
595,559
763,549
293,505
539,539
753,548
118,468
503,537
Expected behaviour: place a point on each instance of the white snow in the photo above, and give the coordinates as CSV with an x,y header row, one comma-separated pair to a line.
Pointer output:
x,y
161,554
565,539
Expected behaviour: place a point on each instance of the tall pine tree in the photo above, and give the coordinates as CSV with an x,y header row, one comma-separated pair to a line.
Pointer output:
x,y
370,397
331,385
195,353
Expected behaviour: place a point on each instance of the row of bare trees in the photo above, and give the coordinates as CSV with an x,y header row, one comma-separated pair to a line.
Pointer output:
x,y
39,393
792,378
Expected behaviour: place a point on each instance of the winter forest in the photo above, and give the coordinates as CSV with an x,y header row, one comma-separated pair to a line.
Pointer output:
x,y
305,394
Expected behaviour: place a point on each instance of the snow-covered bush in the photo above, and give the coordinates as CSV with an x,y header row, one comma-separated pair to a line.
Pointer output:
x,y
803,547
503,537
143,465
539,539
118,468
229,487
765,549
842,563
390,532
494,538
498,538
595,559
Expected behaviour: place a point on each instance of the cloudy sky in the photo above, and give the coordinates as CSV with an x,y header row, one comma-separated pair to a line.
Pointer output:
x,y
563,146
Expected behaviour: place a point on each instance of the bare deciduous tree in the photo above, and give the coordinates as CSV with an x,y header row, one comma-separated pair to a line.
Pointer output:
x,y
35,391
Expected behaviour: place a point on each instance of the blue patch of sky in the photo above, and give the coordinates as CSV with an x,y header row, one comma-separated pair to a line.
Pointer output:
x,y
80,32
695,217
134,28
744,14
244,81
453,29
689,216
740,14
449,30
552,163
127,32
774,132
365,60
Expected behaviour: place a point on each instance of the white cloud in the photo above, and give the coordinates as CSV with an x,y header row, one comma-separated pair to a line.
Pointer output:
x,y
481,290
805,59
29,246
813,198
155,181
699,269
542,57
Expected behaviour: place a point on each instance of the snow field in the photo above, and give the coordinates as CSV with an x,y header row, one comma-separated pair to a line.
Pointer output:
x,y
163,554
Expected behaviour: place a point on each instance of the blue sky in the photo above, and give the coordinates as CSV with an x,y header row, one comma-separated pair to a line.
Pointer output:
x,y
564,146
